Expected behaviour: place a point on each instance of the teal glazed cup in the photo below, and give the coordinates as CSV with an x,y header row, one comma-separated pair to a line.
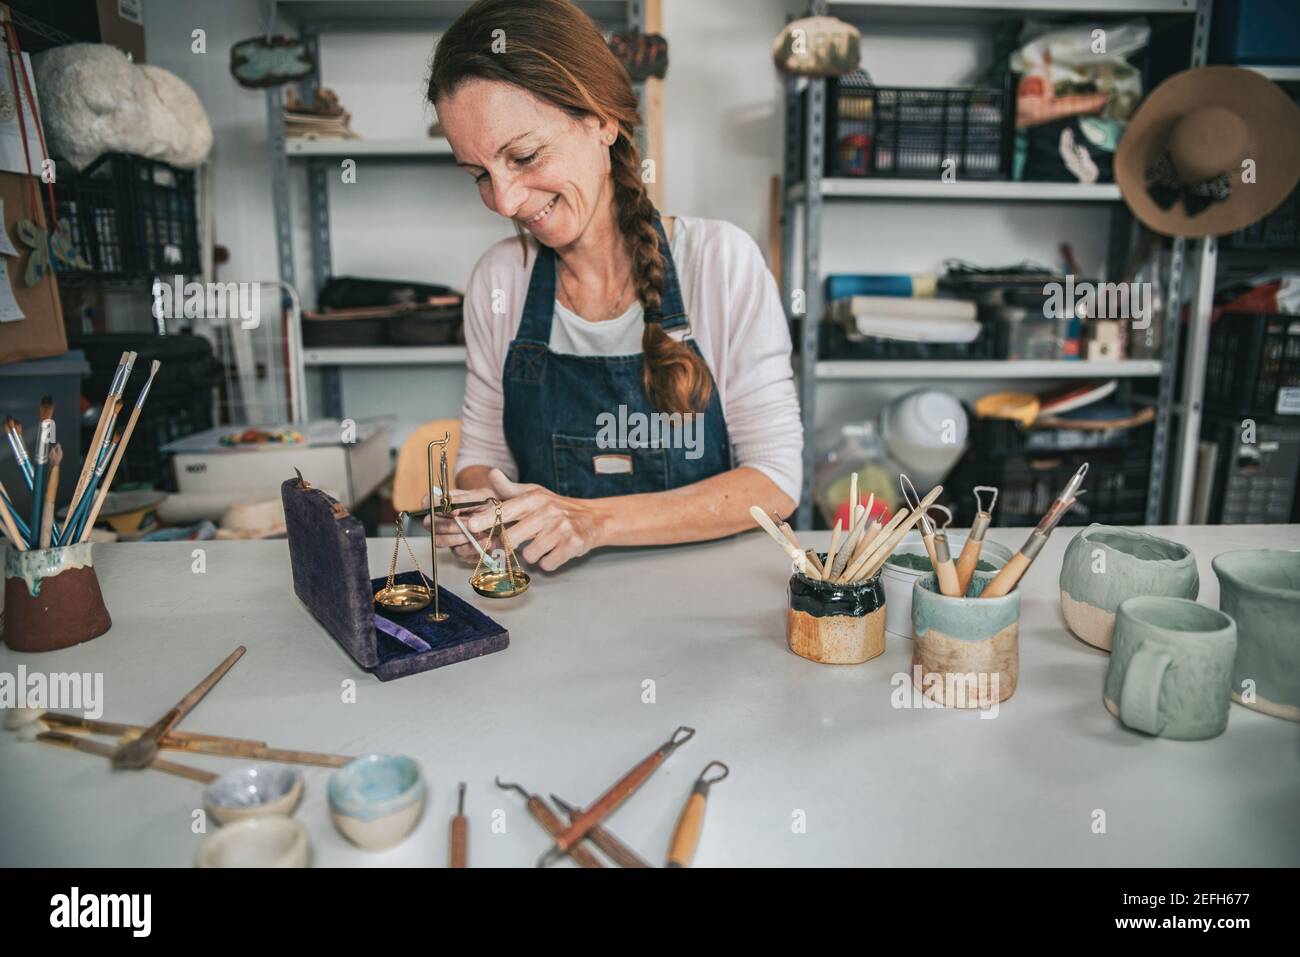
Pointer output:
x,y
1260,589
1170,668
966,651
1105,565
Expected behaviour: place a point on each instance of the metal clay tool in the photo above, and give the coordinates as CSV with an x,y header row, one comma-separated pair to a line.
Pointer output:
x,y
969,559
553,826
1011,573
691,822
614,849
619,792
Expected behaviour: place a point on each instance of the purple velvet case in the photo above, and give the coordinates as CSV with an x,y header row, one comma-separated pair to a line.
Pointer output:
x,y
331,576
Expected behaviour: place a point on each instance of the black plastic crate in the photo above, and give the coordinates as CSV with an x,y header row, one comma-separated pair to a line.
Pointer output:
x,y
1253,367
179,404
1028,484
1280,229
909,132
130,217
834,343
1255,480
997,439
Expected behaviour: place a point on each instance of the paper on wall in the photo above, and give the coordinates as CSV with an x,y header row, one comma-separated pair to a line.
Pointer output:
x,y
6,244
9,309
11,136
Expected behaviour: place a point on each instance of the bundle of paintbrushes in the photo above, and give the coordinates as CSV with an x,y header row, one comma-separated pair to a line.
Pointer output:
x,y
856,554
40,470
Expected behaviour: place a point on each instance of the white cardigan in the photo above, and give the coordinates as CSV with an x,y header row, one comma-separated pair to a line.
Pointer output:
x,y
736,319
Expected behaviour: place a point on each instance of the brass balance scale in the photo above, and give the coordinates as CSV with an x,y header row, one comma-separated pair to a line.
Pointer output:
x,y
492,577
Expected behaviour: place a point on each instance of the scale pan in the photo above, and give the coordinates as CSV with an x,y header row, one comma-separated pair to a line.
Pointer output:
x,y
500,584
403,598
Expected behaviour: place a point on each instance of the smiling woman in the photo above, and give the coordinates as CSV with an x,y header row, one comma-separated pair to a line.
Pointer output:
x,y
610,311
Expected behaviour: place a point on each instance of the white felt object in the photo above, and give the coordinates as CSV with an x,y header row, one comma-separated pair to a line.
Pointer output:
x,y
94,101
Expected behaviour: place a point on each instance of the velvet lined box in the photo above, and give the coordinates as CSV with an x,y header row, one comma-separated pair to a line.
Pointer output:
x,y
331,577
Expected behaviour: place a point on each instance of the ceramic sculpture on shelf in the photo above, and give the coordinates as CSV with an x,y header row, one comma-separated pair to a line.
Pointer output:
x,y
94,101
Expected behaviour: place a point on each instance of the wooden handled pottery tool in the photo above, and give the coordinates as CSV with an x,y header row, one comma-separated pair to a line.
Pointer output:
x,y
970,552
619,792
687,836
553,826
1010,574
940,559
460,832
193,741
614,849
835,544
884,547
138,753
90,746
800,560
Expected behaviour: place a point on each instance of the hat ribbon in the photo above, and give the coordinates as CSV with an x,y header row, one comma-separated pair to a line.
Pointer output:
x,y
1166,187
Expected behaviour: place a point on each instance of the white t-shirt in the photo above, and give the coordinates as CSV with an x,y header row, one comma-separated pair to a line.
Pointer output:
x,y
736,320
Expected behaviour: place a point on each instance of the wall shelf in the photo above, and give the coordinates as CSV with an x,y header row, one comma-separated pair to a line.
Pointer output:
x,y
384,149
385,356
992,369
879,187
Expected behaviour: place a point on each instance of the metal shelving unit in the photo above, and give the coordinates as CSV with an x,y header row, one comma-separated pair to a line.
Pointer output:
x,y
309,19
805,195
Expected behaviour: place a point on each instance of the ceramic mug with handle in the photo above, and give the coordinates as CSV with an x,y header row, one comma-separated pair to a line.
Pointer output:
x,y
1260,589
1171,668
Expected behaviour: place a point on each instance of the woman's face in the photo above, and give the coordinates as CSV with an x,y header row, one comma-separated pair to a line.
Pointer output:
x,y
533,162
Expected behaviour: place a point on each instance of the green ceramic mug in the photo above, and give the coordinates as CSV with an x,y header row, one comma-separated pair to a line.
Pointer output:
x,y
1105,564
1171,667
1260,589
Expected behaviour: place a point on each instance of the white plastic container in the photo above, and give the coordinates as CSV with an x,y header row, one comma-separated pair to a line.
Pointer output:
x,y
898,580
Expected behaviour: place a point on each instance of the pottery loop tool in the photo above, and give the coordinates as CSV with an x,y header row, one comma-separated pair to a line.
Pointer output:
x,y
553,826
139,752
409,597
795,553
944,570
460,832
1010,574
154,763
617,793
503,579
691,822
969,559
614,849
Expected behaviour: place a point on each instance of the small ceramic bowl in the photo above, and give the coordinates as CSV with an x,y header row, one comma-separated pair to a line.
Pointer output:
x,y
252,792
376,800
256,842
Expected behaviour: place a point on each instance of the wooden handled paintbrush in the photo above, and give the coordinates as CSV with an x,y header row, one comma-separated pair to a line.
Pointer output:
x,y
51,491
44,441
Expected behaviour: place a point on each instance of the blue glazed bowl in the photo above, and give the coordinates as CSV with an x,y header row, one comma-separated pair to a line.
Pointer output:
x,y
376,800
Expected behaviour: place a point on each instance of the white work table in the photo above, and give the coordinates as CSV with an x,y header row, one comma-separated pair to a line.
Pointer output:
x,y
606,658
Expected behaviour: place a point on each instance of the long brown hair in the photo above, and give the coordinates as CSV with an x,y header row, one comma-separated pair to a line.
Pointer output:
x,y
555,51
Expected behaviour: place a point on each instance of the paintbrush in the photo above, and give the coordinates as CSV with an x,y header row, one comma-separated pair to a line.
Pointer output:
x,y
20,526
121,450
138,753
106,750
51,490
80,529
11,527
115,390
44,441
14,432
1011,573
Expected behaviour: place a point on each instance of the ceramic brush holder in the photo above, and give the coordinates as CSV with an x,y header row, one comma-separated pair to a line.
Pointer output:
x,y
967,651
52,598
835,623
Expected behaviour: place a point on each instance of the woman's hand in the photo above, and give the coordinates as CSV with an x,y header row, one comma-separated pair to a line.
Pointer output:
x,y
557,529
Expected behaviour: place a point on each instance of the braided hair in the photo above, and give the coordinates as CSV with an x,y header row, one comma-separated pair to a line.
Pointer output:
x,y
554,50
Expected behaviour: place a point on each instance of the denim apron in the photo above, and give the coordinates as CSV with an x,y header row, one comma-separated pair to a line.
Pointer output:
x,y
562,411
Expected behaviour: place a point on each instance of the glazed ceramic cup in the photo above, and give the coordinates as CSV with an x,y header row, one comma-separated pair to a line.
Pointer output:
x,y
376,800
910,561
52,598
1104,565
835,624
253,791
1260,589
1170,668
256,842
967,652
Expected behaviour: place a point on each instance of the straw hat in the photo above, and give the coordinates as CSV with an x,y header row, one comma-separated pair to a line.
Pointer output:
x,y
1180,163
